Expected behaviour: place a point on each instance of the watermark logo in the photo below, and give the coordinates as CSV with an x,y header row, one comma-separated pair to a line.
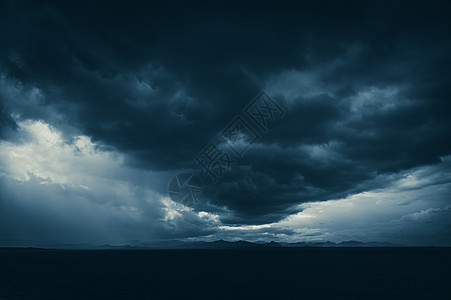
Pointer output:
x,y
185,188
238,136
263,110
221,153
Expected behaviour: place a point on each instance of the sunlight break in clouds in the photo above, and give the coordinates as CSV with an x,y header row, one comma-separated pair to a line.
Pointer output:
x,y
43,154
88,192
80,184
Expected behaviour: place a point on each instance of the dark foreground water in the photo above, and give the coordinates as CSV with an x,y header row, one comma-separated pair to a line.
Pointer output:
x,y
306,273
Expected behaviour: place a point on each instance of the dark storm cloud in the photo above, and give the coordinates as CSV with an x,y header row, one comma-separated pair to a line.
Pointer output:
x,y
6,121
157,82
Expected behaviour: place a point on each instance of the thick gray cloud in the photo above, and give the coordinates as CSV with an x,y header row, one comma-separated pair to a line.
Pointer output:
x,y
364,86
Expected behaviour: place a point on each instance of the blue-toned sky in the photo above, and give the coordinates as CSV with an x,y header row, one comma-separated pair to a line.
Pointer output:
x,y
103,102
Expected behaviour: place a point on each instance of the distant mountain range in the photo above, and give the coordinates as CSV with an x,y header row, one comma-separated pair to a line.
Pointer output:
x,y
220,244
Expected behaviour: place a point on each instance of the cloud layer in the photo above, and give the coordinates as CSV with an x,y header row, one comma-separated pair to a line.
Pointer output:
x,y
101,104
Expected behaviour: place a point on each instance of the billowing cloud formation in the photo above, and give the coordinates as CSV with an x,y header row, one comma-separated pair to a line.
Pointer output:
x,y
410,208
105,102
54,190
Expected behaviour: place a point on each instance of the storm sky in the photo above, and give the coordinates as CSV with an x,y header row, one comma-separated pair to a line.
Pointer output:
x,y
102,103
